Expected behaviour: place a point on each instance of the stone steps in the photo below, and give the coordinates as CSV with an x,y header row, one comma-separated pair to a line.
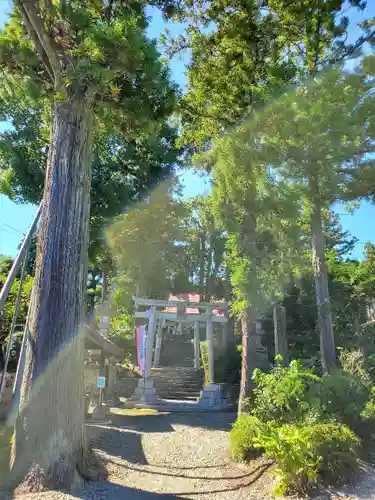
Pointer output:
x,y
177,383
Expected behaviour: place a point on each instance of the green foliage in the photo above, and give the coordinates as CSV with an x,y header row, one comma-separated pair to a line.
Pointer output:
x,y
343,398
122,333
244,53
305,455
102,51
285,395
227,365
8,311
313,427
244,437
308,454
353,362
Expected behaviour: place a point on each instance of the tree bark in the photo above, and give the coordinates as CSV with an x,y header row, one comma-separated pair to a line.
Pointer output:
x,y
202,259
281,341
50,444
230,326
249,357
327,342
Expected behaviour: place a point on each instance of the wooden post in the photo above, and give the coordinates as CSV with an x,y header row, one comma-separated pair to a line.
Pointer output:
x,y
279,325
197,361
210,342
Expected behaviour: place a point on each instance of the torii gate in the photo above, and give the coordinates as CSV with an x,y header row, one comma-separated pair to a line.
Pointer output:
x,y
182,312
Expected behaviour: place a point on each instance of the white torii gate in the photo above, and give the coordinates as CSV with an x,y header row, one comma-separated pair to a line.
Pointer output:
x,y
146,391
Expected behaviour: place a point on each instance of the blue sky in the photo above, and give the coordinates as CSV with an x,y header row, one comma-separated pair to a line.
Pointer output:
x,y
15,219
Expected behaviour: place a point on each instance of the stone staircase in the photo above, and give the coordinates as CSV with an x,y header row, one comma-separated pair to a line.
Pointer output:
x,y
178,383
177,351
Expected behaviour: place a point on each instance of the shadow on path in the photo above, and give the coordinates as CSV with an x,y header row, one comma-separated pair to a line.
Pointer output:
x,y
115,492
123,444
262,468
164,422
236,487
111,491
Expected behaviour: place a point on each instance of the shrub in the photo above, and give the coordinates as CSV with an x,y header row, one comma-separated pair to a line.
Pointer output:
x,y
343,398
305,455
285,394
364,340
309,454
244,438
228,365
353,361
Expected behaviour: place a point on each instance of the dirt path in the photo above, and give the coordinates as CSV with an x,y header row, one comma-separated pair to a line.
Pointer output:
x,y
178,456
173,456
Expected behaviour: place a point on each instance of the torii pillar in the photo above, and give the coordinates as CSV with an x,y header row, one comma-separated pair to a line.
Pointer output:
x,y
145,391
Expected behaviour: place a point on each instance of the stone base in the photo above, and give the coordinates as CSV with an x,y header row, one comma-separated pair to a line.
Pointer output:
x,y
212,395
145,392
100,412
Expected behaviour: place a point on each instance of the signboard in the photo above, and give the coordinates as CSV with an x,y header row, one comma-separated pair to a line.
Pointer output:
x,y
141,348
100,384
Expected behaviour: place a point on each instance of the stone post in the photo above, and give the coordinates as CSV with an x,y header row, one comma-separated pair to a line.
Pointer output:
x,y
279,325
150,342
197,361
145,391
210,343
159,337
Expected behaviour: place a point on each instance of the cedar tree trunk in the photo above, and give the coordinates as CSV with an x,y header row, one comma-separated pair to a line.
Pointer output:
x,y
249,356
327,342
50,445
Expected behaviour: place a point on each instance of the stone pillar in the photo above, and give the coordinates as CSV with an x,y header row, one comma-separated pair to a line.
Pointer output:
x,y
197,360
150,342
210,344
145,391
159,337
281,341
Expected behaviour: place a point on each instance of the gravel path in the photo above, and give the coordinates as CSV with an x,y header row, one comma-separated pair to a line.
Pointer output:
x,y
173,456
177,456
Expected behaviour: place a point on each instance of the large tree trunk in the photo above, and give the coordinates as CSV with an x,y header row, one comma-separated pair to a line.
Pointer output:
x,y
50,442
327,342
230,326
249,356
202,260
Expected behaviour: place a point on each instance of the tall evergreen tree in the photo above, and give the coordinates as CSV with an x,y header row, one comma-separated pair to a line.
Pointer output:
x,y
242,55
94,67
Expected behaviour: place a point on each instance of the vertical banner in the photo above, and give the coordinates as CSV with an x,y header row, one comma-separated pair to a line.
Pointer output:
x,y
141,348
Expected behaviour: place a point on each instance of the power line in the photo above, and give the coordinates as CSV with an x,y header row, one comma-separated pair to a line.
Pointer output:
x,y
10,227
8,232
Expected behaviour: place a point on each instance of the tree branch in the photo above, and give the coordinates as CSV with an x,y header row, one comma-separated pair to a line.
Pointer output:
x,y
32,17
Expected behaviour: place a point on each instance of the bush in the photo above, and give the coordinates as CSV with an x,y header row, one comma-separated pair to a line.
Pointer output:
x,y
353,361
343,396
244,438
305,455
285,394
364,340
228,365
